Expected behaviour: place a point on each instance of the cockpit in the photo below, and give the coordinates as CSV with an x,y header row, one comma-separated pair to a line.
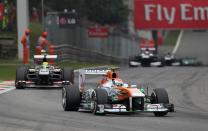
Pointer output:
x,y
112,83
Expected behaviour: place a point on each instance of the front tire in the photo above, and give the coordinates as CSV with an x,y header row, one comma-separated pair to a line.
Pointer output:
x,y
21,73
100,96
158,96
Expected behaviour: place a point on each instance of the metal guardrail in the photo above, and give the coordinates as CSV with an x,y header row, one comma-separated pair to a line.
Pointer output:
x,y
74,43
68,52
8,47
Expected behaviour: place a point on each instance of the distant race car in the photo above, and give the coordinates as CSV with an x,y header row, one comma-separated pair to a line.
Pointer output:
x,y
146,58
112,95
190,61
170,60
42,74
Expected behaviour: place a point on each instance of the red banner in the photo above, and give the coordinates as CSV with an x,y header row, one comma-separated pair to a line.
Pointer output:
x,y
1,11
171,14
99,32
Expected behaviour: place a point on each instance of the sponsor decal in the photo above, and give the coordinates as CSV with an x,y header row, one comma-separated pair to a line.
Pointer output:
x,y
65,20
98,32
174,14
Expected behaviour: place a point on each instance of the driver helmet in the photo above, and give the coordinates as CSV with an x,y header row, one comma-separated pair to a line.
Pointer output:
x,y
109,74
43,52
45,64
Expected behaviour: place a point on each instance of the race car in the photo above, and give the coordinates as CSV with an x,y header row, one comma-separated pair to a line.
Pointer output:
x,y
190,61
146,58
112,95
170,60
43,74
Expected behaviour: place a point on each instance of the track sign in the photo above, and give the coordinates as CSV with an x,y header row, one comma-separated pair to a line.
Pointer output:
x,y
66,19
98,32
171,14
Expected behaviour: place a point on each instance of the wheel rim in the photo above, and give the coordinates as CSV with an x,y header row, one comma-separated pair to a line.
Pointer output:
x,y
92,106
95,107
64,98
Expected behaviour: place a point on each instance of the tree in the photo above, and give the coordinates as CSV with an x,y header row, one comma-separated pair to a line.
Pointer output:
x,y
57,5
105,11
99,11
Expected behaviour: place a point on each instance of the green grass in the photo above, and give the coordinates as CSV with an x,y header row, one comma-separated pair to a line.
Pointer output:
x,y
9,61
171,38
7,72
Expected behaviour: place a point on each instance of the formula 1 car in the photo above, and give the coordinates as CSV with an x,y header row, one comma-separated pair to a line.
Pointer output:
x,y
42,74
190,61
112,95
170,60
146,58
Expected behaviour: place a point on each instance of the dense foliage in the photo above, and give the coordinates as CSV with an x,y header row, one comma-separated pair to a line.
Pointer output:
x,y
99,11
105,11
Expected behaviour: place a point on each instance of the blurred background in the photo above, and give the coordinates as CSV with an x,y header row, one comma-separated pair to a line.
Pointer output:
x,y
79,29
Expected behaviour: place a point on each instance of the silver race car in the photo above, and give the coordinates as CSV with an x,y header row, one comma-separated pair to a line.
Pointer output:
x,y
146,58
43,74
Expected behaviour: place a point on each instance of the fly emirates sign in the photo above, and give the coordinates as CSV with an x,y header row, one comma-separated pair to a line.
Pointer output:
x,y
173,14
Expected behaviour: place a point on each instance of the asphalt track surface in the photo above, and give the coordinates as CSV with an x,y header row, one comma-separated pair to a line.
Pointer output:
x,y
194,44
41,110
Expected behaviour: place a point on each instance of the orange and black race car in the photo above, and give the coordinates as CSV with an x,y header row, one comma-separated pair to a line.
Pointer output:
x,y
112,95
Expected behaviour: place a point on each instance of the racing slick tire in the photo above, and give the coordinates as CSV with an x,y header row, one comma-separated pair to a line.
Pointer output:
x,y
100,97
158,96
132,60
21,73
70,98
68,75
162,63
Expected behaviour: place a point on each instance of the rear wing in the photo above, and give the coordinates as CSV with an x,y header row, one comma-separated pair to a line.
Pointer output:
x,y
99,71
83,72
38,59
150,49
45,56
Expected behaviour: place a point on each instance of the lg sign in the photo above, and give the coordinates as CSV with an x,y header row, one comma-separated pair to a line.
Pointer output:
x,y
66,19
171,14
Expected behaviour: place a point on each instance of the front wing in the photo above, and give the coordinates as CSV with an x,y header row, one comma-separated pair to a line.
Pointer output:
x,y
30,84
148,108
138,63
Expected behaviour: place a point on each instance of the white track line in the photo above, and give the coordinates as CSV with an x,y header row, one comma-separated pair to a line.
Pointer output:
x,y
6,90
178,42
6,86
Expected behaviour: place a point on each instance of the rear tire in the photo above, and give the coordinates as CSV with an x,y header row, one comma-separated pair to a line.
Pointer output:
x,y
21,73
68,75
70,98
160,95
100,97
